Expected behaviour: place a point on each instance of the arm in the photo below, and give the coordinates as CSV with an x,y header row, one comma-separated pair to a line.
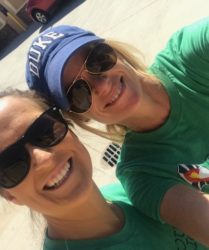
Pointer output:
x,y
188,210
166,200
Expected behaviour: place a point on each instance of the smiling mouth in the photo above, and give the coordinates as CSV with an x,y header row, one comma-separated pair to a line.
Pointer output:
x,y
60,178
117,94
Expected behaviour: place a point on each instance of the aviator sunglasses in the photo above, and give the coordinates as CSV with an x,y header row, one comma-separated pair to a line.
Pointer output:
x,y
46,131
100,59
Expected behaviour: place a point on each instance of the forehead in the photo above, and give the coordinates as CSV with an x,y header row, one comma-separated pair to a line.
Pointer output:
x,y
74,64
16,115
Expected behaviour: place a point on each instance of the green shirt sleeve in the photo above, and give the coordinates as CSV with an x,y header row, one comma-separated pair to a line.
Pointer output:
x,y
194,48
186,56
146,191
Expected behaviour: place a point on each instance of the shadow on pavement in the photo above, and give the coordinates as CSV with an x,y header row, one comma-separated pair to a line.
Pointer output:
x,y
63,10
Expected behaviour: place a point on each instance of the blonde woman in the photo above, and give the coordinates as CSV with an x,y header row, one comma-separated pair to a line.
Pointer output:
x,y
162,111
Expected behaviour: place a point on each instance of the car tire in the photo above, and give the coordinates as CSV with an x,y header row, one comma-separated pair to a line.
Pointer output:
x,y
40,16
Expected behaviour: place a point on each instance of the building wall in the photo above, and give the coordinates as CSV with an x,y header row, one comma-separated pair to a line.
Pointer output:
x,y
7,34
13,5
14,21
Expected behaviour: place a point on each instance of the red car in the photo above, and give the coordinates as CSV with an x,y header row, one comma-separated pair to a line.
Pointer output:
x,y
41,10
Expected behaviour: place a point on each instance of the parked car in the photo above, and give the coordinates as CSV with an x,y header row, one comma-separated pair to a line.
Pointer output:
x,y
41,10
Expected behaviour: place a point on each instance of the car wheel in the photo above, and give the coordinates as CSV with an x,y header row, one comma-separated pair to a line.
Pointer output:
x,y
40,16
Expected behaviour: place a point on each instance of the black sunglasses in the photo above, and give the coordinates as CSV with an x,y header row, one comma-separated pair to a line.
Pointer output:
x,y
47,130
100,59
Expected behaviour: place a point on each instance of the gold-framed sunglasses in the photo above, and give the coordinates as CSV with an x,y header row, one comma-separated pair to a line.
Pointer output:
x,y
100,59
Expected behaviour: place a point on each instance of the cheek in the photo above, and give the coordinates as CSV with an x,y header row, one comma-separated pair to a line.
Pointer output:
x,y
81,152
21,195
95,111
85,159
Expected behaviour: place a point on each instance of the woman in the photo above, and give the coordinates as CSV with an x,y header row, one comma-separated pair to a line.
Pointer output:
x,y
44,166
164,109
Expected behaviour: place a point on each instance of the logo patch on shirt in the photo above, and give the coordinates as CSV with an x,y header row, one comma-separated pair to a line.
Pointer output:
x,y
196,175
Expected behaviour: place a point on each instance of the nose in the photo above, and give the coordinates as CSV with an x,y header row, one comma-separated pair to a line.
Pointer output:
x,y
39,156
97,82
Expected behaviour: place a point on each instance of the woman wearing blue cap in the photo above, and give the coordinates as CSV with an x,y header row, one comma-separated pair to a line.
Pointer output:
x,y
45,167
162,111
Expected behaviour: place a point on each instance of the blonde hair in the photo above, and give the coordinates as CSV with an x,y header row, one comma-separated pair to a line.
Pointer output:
x,y
133,57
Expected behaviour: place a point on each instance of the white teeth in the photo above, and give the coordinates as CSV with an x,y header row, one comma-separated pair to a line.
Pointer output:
x,y
59,178
115,97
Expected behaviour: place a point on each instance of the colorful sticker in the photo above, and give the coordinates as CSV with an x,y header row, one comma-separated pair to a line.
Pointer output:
x,y
196,175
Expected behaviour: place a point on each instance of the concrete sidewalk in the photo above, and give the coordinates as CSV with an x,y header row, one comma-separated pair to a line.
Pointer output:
x,y
146,24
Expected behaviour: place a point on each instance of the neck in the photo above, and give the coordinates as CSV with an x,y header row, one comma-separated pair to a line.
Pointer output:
x,y
156,107
92,219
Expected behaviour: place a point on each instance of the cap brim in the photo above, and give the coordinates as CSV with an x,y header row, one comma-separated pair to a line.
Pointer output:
x,y
54,69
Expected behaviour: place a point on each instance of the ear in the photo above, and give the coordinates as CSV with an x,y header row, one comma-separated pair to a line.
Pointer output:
x,y
9,197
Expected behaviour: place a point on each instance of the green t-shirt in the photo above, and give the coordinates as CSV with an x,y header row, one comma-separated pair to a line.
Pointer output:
x,y
139,232
177,152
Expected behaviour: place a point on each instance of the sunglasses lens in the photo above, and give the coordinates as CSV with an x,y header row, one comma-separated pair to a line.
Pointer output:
x,y
15,165
79,96
101,59
48,130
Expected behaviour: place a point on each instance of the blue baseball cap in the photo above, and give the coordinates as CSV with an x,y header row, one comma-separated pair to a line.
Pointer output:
x,y
47,57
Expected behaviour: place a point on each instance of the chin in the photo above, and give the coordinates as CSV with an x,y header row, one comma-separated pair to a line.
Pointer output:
x,y
82,192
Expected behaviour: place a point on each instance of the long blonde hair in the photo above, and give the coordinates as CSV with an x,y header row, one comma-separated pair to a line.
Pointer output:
x,y
115,132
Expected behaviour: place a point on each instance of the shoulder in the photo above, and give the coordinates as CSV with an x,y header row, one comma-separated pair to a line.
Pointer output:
x,y
115,192
190,40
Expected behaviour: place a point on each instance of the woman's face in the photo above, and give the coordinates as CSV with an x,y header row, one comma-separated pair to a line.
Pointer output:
x,y
116,93
48,165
